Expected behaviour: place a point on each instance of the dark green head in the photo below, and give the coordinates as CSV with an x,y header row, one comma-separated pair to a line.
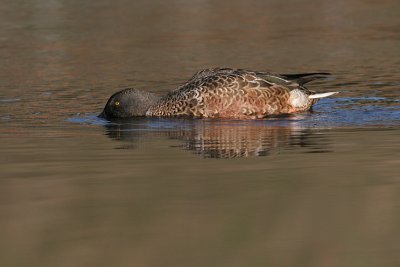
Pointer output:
x,y
128,103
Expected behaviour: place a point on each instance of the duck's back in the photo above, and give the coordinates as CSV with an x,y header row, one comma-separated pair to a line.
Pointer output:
x,y
227,93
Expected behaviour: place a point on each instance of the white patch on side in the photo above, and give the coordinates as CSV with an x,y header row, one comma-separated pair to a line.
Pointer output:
x,y
298,99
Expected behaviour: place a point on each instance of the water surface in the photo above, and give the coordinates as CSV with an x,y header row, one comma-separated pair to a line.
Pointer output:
x,y
314,189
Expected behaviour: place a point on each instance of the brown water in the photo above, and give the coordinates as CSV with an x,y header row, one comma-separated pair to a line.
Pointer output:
x,y
315,189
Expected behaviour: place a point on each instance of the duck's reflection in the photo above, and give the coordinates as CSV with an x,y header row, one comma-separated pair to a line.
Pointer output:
x,y
222,139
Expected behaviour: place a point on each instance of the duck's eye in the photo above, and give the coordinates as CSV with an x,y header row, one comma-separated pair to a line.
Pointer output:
x,y
116,103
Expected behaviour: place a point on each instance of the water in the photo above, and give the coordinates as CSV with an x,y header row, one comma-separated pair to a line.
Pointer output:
x,y
313,189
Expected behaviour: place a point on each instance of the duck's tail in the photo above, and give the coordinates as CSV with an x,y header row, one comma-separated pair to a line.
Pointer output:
x,y
303,78
321,95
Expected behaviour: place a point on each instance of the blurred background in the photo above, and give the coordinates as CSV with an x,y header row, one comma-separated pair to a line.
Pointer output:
x,y
315,189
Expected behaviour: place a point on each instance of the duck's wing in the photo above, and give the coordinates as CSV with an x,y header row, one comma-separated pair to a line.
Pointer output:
x,y
205,73
303,78
226,78
214,73
299,78
293,81
211,72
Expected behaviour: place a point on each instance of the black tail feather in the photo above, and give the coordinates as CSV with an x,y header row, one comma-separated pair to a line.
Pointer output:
x,y
303,78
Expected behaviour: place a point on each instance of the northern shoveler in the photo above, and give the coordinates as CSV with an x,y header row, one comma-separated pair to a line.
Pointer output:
x,y
221,93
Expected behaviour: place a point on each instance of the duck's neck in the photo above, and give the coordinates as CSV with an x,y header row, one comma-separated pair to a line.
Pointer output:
x,y
144,100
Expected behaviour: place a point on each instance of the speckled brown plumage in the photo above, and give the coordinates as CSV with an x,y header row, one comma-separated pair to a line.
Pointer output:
x,y
221,93
229,93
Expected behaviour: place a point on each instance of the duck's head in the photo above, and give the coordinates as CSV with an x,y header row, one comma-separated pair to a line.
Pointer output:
x,y
128,103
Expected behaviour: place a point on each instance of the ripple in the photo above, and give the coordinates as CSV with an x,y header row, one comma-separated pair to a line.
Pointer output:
x,y
91,119
327,113
10,100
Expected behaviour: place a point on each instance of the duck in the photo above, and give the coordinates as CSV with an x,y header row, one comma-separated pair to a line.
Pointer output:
x,y
225,93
